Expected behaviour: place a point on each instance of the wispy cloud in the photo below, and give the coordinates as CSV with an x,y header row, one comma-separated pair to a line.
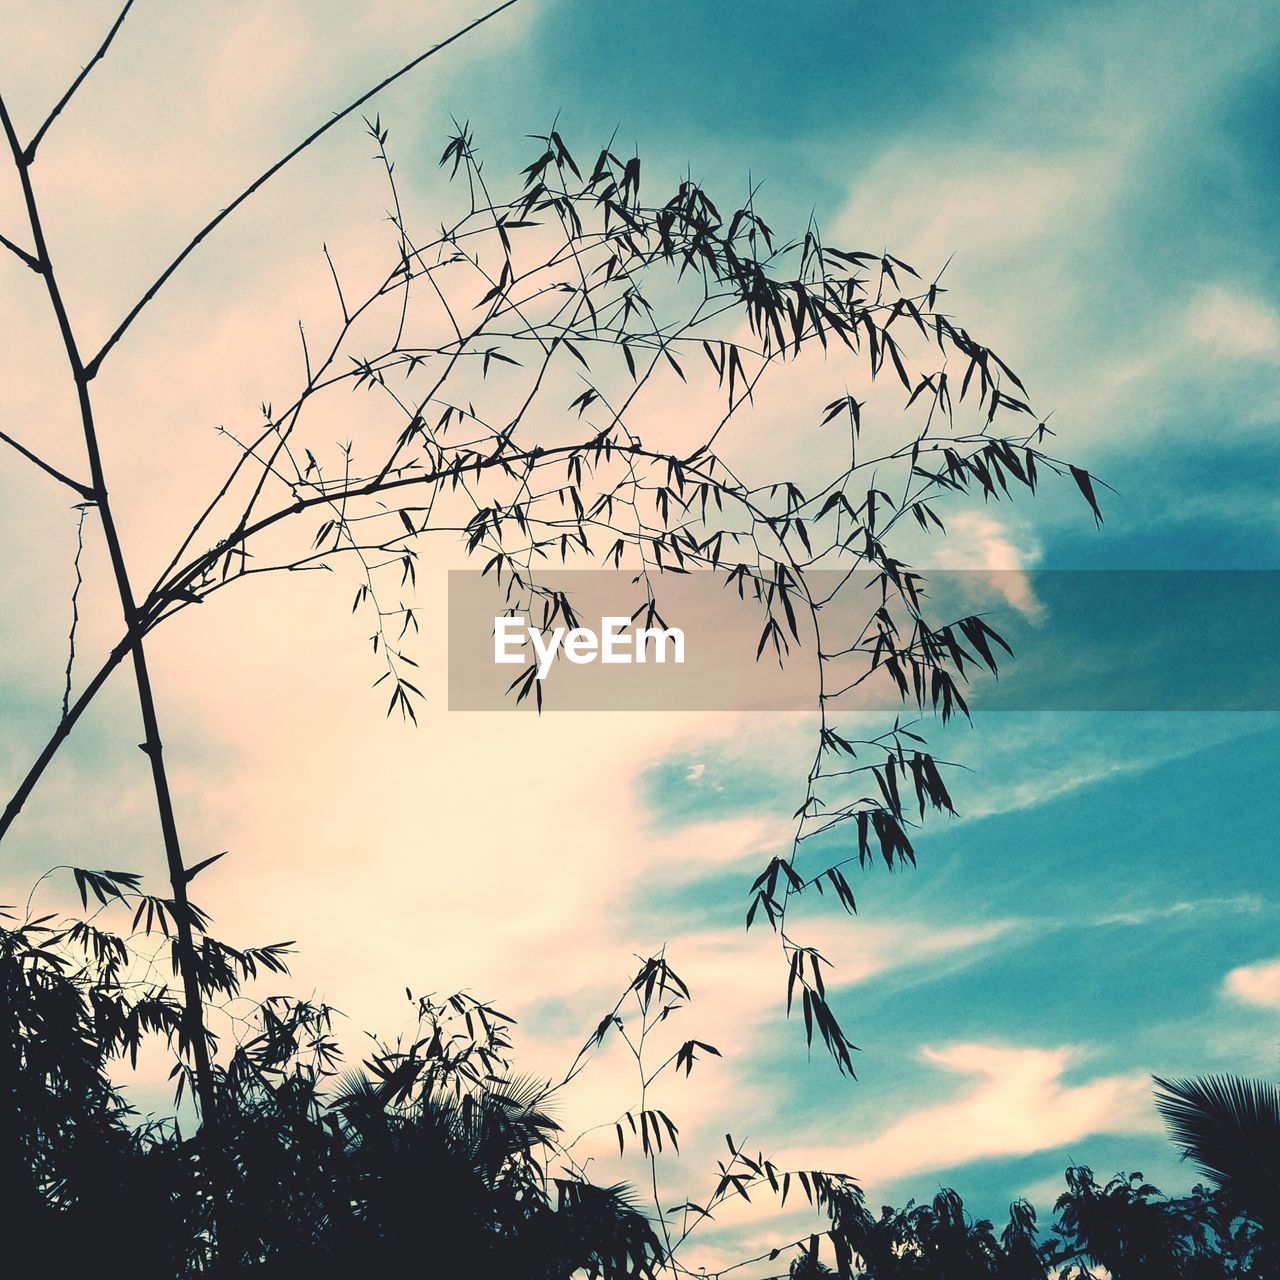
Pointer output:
x,y
1236,325
1239,903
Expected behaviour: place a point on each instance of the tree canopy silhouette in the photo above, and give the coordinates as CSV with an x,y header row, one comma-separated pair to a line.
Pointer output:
x,y
512,377
434,1153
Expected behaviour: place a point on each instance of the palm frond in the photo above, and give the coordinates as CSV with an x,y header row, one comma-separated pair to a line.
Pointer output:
x,y
1230,1127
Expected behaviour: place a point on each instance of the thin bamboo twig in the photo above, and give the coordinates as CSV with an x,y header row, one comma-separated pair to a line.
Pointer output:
x,y
91,369
82,489
29,153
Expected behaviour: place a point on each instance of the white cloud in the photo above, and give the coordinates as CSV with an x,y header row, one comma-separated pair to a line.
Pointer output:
x,y
1017,1102
1043,1192
986,200
1255,984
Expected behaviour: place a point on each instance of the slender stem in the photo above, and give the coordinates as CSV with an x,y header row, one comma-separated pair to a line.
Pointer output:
x,y
65,725
30,153
82,489
31,261
75,612
84,374
152,745
178,579
91,369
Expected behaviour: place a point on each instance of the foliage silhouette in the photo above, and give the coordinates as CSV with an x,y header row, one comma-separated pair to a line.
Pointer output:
x,y
502,368
434,1154
1230,1127
1126,1228
507,368
82,370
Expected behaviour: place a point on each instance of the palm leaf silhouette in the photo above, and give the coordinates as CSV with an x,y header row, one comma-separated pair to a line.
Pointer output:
x,y
1230,1127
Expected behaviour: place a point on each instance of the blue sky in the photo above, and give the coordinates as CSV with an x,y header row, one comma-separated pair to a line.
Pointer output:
x,y
1125,901
1104,906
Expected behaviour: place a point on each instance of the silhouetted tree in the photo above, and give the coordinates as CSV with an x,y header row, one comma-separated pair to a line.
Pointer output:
x,y
434,1151
580,282
934,1239
504,365
83,367
1230,1127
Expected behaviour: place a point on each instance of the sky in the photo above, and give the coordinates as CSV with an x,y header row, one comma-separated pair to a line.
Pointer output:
x,y
1103,179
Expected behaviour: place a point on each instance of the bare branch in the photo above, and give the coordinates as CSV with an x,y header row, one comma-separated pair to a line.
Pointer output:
x,y
30,153
82,489
30,260
59,735
152,744
93,366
